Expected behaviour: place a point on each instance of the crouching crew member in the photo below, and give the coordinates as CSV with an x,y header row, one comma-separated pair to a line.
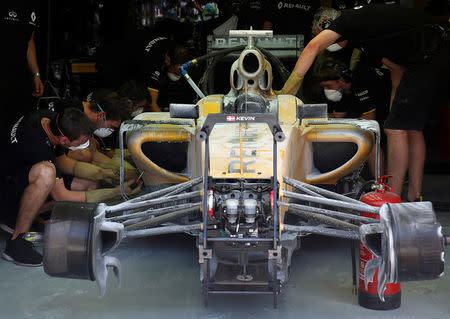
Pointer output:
x,y
31,176
106,110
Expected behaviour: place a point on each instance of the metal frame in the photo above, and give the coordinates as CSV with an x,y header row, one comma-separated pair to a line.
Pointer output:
x,y
275,254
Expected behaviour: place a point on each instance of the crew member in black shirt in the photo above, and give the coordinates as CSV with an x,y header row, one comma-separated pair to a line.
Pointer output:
x,y
18,23
161,62
361,93
408,44
36,141
149,59
105,110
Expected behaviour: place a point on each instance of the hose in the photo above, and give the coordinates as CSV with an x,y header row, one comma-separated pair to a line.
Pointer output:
x,y
367,186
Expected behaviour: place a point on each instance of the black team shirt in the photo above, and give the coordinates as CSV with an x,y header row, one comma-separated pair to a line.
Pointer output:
x,y
154,54
392,32
18,20
370,91
29,144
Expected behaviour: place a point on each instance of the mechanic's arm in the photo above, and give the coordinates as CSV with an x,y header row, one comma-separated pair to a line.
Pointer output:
x,y
80,169
84,155
154,107
59,192
306,59
355,58
90,154
312,49
65,164
99,157
34,68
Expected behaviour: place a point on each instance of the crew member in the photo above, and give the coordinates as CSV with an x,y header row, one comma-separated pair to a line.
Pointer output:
x,y
20,70
31,174
161,64
146,59
408,44
106,110
361,93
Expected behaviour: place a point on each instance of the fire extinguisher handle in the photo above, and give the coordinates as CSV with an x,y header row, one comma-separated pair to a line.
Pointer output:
x,y
382,180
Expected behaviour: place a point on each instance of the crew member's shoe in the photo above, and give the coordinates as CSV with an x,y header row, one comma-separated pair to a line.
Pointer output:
x,y
22,252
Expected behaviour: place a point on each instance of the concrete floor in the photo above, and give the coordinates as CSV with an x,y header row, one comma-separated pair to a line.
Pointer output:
x,y
161,280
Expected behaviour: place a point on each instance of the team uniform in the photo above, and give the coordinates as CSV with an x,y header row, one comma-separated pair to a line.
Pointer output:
x,y
18,20
157,79
154,54
395,33
370,92
28,145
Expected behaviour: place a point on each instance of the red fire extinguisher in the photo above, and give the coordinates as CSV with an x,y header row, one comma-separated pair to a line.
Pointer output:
x,y
368,298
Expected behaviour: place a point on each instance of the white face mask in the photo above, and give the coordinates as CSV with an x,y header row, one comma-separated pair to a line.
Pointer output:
x,y
173,77
79,147
333,95
334,47
103,131
138,111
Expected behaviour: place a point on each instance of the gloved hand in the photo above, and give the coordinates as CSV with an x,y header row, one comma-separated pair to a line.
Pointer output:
x,y
126,154
292,84
114,164
94,172
103,194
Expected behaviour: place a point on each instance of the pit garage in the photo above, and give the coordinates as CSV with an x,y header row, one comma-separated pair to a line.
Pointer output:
x,y
252,203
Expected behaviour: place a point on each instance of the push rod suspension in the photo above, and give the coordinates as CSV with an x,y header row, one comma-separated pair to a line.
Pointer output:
x,y
321,191
162,230
354,235
332,202
150,202
332,213
333,222
172,190
153,222
153,212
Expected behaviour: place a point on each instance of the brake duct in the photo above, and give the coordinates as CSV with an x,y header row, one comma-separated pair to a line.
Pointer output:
x,y
78,237
77,241
408,244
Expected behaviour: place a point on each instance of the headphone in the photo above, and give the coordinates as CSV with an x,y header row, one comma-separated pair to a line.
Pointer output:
x,y
344,73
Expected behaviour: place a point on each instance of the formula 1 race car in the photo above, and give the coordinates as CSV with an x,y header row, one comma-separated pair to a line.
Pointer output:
x,y
249,173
